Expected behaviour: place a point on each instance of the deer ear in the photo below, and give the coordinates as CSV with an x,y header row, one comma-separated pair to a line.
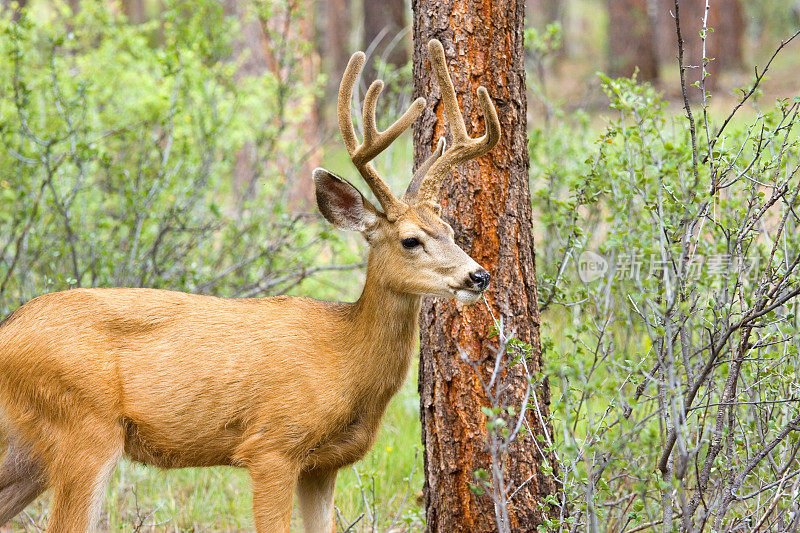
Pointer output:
x,y
341,204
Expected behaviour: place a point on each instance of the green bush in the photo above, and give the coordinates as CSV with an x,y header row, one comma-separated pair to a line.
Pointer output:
x,y
675,367
120,145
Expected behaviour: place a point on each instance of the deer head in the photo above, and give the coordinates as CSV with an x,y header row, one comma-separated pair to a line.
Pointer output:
x,y
411,247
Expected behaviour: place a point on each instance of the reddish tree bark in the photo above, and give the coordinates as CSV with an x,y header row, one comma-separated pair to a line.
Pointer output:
x,y
252,41
727,19
664,30
488,204
301,191
631,43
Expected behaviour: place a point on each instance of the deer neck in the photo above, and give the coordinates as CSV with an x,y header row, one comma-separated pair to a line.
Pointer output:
x,y
383,329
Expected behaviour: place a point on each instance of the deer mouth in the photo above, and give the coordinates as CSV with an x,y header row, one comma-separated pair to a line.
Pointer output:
x,y
465,295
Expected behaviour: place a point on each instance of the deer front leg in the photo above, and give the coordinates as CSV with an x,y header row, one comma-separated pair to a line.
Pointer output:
x,y
78,474
274,478
315,490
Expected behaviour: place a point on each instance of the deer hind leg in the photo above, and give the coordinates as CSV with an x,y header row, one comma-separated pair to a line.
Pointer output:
x,y
274,478
315,490
21,481
79,475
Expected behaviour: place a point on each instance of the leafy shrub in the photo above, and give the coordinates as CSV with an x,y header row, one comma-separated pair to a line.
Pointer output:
x,y
120,147
670,276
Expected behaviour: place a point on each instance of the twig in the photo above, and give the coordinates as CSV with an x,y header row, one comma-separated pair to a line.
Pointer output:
x,y
297,276
686,105
408,491
752,90
651,524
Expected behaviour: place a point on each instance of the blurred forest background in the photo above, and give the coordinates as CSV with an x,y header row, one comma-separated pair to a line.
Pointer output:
x,y
169,144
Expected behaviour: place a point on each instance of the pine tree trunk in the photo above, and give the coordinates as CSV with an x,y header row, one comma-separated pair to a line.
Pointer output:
x,y
251,42
301,190
540,13
727,19
631,44
664,29
488,204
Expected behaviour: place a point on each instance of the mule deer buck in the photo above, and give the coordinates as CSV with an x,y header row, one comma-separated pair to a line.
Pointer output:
x,y
292,389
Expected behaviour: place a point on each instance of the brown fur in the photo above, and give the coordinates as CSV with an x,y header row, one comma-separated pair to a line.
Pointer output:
x,y
292,389
178,380
21,481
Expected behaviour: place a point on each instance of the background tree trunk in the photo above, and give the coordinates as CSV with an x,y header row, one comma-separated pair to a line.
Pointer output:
x,y
488,204
334,47
269,46
723,45
134,10
727,19
251,41
301,190
540,13
630,40
553,10
664,30
384,25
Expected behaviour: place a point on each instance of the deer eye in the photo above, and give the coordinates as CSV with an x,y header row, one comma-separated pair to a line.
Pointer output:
x,y
409,243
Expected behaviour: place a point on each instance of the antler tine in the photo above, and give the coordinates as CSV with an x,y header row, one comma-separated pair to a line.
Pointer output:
x,y
375,141
422,171
349,78
464,147
454,116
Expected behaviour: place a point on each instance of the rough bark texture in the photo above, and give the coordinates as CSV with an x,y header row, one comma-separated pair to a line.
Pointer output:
x,y
384,25
631,43
488,204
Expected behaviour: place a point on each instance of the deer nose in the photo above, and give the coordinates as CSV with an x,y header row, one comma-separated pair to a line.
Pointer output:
x,y
480,279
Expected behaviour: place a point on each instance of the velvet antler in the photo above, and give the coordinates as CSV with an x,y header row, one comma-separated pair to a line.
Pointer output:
x,y
375,141
464,147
